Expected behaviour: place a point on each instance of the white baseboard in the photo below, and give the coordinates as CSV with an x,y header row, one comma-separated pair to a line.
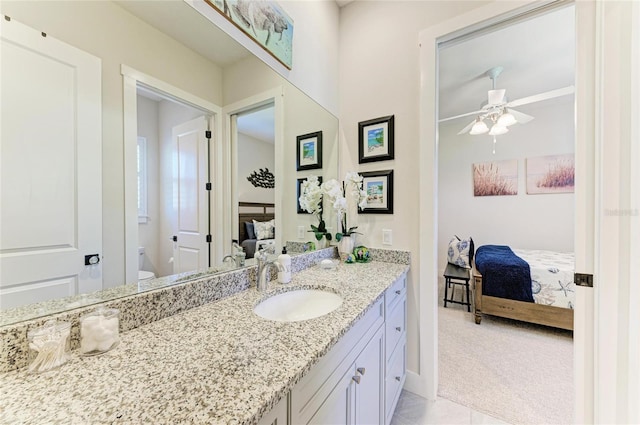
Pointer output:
x,y
416,384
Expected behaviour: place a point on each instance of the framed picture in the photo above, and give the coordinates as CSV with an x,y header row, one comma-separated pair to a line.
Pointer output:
x,y
379,188
299,192
264,22
496,178
309,151
375,139
551,174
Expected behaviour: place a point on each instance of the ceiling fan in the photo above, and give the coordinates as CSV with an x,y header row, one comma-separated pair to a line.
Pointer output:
x,y
499,112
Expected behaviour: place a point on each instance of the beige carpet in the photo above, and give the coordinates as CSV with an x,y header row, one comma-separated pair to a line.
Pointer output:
x,y
518,372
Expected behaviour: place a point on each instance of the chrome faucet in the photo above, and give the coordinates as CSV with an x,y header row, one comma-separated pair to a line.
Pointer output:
x,y
263,269
229,257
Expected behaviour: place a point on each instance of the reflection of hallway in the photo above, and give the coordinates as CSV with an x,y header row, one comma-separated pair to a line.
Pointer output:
x,y
518,372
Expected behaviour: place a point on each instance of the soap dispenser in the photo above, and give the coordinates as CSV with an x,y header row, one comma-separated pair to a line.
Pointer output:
x,y
285,261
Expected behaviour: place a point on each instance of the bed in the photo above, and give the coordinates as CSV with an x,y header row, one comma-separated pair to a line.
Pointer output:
x,y
247,213
544,293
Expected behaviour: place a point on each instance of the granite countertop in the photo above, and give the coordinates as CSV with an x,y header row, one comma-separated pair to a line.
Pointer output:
x,y
218,363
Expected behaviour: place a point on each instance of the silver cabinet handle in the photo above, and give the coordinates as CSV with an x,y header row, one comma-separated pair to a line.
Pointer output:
x,y
361,370
398,292
398,378
356,378
398,328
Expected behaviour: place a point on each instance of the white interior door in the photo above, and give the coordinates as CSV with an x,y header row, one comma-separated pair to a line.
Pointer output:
x,y
50,167
191,209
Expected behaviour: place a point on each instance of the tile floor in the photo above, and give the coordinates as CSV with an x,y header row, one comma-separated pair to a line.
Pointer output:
x,y
415,410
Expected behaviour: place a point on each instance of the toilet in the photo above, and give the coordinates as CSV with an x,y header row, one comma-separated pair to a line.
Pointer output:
x,y
143,275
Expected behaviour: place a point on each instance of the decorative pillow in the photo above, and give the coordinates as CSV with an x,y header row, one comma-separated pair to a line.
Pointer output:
x,y
248,227
264,229
460,252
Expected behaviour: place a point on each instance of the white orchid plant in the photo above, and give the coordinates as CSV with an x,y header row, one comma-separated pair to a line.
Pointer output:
x,y
311,201
338,194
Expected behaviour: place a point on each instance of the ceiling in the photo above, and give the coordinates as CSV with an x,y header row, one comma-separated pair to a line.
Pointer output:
x,y
258,124
537,56
183,23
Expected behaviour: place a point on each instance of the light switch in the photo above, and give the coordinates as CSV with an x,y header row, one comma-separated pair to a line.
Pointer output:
x,y
387,237
300,232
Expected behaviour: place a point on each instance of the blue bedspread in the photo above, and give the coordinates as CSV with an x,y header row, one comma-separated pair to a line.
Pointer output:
x,y
504,274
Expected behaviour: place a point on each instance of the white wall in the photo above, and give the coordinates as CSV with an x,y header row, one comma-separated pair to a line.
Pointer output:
x,y
107,31
542,221
315,46
254,154
148,232
379,76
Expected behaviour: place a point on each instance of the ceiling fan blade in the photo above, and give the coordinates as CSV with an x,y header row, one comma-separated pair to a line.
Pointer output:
x,y
521,117
460,116
467,128
542,96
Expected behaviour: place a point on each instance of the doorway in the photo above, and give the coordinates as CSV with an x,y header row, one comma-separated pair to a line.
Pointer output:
x,y
505,206
174,109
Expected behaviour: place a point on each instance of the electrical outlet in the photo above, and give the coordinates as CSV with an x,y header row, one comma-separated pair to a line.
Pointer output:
x,y
300,232
387,237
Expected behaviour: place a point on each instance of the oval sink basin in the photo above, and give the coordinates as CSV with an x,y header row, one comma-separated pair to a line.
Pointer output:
x,y
296,305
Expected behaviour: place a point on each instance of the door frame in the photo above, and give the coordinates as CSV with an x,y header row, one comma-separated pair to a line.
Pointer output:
x,y
427,382
229,172
131,79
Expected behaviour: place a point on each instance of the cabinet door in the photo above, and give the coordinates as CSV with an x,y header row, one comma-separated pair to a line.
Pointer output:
x,y
369,366
338,407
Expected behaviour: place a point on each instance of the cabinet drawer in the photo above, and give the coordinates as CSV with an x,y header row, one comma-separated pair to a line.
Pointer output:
x,y
396,373
313,388
395,324
396,291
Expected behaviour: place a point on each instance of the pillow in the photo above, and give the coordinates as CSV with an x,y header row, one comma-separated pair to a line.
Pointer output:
x,y
460,252
264,229
248,227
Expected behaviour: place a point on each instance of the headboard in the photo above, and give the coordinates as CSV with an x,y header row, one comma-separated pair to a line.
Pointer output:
x,y
249,211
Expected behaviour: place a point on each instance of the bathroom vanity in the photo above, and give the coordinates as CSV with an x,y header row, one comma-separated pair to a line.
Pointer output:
x,y
221,363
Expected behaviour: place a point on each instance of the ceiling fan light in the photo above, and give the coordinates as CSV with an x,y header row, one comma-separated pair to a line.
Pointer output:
x,y
497,130
506,120
479,127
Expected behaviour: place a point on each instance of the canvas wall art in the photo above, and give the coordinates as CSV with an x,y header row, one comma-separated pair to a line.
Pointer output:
x,y
496,178
263,21
551,174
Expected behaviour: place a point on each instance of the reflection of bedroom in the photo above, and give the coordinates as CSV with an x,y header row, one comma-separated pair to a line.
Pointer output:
x,y
256,169
521,221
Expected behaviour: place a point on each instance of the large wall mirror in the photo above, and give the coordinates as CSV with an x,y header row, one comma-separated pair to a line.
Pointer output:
x,y
187,75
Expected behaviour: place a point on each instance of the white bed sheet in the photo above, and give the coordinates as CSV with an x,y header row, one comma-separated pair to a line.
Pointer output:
x,y
551,276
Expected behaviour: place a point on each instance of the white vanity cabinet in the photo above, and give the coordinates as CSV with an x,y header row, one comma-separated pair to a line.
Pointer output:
x,y
395,345
359,380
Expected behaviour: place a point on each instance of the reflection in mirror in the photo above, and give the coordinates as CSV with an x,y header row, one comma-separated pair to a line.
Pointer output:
x,y
171,42
256,180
